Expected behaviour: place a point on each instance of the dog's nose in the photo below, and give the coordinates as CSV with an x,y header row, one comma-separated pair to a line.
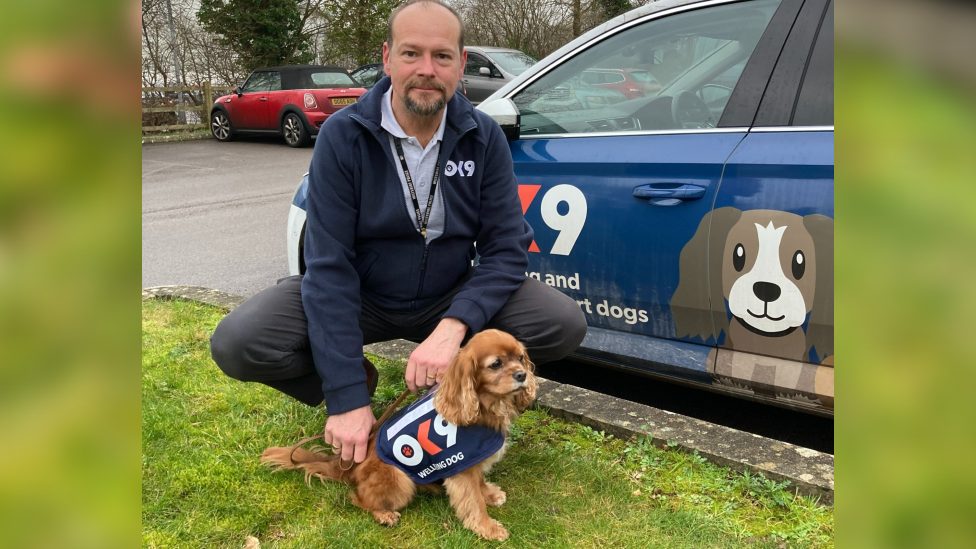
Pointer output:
x,y
519,376
766,291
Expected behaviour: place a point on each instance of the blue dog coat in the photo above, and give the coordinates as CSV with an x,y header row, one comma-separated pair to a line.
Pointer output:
x,y
425,446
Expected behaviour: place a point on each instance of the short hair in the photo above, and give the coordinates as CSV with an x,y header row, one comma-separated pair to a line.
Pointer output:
x,y
395,12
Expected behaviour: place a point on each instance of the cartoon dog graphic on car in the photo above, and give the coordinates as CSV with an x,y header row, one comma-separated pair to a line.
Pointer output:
x,y
774,271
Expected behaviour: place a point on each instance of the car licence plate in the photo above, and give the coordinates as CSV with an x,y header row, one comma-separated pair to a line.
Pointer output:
x,y
342,101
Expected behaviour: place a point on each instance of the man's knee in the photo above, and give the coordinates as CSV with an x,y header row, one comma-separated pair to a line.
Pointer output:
x,y
227,348
572,326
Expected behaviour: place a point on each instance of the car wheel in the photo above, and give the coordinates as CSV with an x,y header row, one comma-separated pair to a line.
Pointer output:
x,y
293,129
220,126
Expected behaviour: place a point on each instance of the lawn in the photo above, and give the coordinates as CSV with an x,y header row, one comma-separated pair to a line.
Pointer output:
x,y
567,485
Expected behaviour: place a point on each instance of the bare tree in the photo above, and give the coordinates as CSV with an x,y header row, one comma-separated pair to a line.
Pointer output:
x,y
536,27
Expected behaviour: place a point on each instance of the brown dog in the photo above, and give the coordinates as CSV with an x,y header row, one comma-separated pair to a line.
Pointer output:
x,y
489,383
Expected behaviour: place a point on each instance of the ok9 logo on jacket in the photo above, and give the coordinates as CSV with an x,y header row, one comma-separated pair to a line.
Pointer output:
x,y
410,451
459,167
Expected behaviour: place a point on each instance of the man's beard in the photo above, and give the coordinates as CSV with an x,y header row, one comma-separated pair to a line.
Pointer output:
x,y
424,109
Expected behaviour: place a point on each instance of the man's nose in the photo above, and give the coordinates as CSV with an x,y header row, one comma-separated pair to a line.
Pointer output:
x,y
426,64
519,376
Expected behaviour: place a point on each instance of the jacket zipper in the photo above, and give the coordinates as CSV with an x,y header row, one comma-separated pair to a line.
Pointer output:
x,y
423,269
423,261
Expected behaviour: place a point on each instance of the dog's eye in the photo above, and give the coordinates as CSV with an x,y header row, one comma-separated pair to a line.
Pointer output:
x,y
799,265
739,257
496,365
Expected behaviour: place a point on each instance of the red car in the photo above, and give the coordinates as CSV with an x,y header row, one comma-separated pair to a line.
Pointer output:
x,y
633,83
293,101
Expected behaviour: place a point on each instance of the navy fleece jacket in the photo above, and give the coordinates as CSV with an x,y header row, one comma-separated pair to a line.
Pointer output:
x,y
360,242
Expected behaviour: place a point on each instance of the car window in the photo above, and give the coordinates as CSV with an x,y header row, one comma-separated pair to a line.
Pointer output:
x,y
815,105
643,77
512,62
368,76
474,64
274,81
681,54
260,82
716,94
324,79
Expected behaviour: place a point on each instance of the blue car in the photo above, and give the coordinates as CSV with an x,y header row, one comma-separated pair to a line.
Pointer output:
x,y
694,225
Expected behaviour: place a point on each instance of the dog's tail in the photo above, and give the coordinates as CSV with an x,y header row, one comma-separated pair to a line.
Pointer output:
x,y
315,464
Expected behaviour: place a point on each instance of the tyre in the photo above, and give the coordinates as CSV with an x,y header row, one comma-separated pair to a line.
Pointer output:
x,y
220,126
293,130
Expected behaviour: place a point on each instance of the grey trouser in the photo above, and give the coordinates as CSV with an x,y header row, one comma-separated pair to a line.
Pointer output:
x,y
265,339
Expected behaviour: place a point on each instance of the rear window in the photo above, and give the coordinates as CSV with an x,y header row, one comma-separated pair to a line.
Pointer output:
x,y
331,80
642,76
513,62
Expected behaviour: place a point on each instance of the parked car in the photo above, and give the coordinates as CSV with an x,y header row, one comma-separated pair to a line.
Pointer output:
x,y
633,83
369,75
489,68
293,101
694,227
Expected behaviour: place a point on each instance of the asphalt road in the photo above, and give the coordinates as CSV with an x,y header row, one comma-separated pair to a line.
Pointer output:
x,y
213,214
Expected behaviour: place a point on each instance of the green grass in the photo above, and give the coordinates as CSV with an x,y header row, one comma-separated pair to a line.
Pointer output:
x,y
567,485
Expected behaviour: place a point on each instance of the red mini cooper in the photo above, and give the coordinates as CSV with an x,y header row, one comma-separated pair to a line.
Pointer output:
x,y
293,101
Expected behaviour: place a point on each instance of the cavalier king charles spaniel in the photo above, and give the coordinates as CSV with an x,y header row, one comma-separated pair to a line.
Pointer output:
x,y
485,388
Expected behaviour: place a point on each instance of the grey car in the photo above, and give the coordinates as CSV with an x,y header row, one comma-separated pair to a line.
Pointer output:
x,y
489,68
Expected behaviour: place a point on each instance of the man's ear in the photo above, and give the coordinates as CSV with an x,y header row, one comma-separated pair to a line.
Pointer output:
x,y
456,399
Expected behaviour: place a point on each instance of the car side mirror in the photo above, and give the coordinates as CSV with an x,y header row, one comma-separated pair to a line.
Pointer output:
x,y
237,90
484,71
506,113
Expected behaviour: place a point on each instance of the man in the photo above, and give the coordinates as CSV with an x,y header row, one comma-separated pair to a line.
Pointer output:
x,y
402,185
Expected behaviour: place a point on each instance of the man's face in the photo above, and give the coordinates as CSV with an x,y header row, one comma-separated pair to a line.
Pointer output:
x,y
423,62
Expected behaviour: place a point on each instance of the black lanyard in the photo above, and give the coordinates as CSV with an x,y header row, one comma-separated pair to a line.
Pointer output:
x,y
421,221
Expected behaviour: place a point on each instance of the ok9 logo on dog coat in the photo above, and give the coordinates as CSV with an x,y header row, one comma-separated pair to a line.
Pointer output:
x,y
410,451
421,443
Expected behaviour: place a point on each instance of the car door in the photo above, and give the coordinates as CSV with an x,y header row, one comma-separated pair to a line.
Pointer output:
x,y
772,230
479,86
250,110
615,187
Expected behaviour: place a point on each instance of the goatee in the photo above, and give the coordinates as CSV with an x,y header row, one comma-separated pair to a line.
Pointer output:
x,y
424,109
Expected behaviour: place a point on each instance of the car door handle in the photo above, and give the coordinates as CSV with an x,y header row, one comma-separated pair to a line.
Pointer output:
x,y
675,191
263,99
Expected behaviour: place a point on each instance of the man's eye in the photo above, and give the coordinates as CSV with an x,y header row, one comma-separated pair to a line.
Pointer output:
x,y
496,365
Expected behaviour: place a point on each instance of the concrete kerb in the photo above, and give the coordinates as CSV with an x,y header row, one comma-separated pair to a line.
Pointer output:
x,y
810,472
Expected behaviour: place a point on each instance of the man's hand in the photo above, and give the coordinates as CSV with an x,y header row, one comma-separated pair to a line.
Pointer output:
x,y
430,360
348,433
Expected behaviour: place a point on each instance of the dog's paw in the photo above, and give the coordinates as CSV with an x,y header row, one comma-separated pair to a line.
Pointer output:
x,y
494,496
387,518
492,529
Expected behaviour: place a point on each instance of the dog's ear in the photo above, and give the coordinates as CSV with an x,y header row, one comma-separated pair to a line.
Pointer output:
x,y
700,277
457,397
525,398
820,329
